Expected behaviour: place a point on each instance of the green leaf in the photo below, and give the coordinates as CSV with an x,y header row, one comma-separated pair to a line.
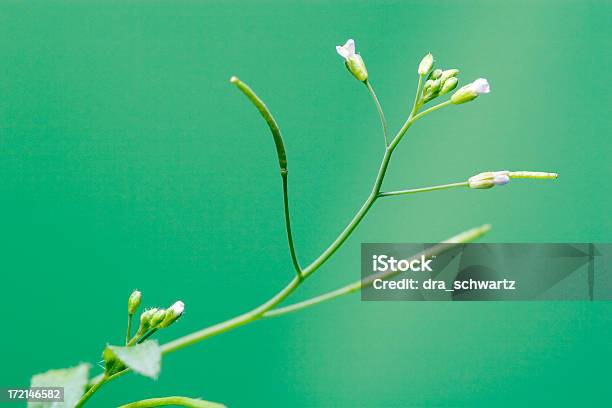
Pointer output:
x,y
173,401
144,359
74,381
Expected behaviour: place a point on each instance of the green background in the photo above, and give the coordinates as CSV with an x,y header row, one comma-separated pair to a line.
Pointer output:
x,y
129,161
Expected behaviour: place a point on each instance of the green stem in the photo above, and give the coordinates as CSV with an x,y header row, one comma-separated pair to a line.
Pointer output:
x,y
271,303
417,98
462,238
129,328
423,189
166,401
146,336
91,391
292,252
381,114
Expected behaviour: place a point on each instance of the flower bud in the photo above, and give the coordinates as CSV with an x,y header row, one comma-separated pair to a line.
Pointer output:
x,y
470,91
489,179
353,61
157,318
172,314
449,73
134,302
426,64
449,85
431,91
145,319
435,74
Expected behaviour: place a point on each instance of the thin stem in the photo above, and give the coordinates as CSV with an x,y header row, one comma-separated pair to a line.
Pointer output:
x,y
417,98
175,400
129,328
462,238
91,391
270,304
381,114
146,336
294,259
423,189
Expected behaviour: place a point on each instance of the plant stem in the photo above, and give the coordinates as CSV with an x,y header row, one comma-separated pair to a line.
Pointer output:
x,y
146,336
423,189
294,259
129,329
96,385
417,98
166,401
380,111
464,237
259,311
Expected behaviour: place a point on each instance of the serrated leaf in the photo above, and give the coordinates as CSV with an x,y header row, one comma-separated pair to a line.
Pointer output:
x,y
73,380
144,359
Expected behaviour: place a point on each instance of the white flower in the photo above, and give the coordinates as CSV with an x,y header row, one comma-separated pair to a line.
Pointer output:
x,y
489,179
347,50
471,91
353,61
172,314
481,86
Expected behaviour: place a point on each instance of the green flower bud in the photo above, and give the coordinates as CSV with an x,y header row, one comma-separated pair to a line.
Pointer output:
x,y
157,318
357,67
470,91
431,91
145,319
134,302
449,85
353,61
435,74
489,179
426,64
172,314
449,73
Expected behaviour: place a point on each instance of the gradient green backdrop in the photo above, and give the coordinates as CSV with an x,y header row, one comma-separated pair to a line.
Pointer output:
x,y
128,161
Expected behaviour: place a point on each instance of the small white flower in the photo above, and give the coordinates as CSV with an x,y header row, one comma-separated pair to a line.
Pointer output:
x,y
347,50
471,91
500,179
489,179
352,60
172,314
481,86
178,308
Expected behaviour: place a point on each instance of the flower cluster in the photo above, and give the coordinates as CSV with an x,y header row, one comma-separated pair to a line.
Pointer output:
x,y
439,82
152,319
